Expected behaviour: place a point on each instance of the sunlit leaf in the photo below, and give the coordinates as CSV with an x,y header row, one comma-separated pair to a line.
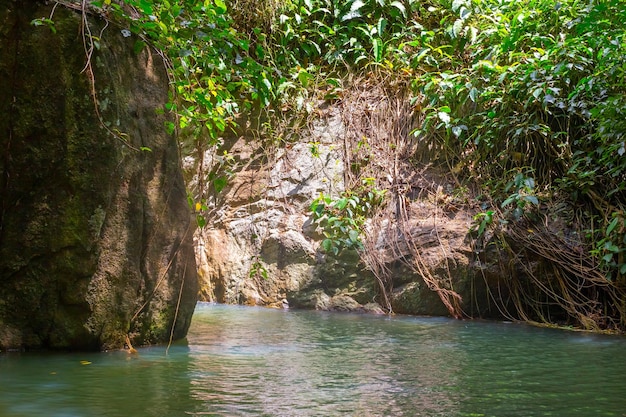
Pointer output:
x,y
220,5
356,5
444,117
398,5
378,52
473,94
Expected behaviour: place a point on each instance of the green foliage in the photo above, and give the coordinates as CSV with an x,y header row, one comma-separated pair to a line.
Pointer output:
x,y
342,219
481,222
213,73
352,33
610,246
501,86
45,22
531,86
523,195
257,269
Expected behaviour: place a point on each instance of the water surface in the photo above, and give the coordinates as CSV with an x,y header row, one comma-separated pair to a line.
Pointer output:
x,y
249,361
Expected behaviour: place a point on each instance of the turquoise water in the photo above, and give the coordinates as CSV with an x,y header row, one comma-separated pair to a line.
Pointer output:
x,y
249,361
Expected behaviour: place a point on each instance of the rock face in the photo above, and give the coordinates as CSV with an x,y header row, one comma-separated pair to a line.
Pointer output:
x,y
261,246
433,246
95,233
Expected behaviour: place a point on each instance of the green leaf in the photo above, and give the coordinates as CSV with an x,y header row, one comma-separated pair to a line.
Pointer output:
x,y
356,5
353,14
44,21
457,27
398,5
456,4
144,5
611,226
473,94
531,199
464,13
444,117
201,221
482,227
609,246
380,27
327,245
304,78
267,84
378,49
221,6
219,183
341,203
529,183
509,200
457,130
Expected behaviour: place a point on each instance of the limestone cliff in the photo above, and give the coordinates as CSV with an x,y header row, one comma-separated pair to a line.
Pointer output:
x,y
95,231
261,247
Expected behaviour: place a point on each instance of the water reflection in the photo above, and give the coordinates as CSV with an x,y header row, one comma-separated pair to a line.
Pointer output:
x,y
543,372
242,361
97,384
314,363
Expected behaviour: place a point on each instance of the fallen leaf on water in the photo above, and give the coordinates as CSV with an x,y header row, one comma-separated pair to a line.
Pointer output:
x,y
85,363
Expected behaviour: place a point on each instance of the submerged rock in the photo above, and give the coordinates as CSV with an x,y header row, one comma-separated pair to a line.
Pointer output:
x,y
95,231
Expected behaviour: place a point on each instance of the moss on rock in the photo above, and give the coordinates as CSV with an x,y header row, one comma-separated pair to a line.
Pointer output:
x,y
92,230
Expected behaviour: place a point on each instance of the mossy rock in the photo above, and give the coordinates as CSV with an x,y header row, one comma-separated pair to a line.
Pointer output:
x,y
92,230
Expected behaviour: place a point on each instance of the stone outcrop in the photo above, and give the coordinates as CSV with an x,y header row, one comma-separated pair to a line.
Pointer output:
x,y
261,246
422,245
95,231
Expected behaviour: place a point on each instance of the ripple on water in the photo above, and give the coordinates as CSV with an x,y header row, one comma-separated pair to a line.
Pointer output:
x,y
241,361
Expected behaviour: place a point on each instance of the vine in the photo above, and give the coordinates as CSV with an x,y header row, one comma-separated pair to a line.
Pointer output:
x,y
90,44
525,100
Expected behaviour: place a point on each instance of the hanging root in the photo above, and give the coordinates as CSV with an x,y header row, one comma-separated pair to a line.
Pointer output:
x,y
379,117
375,260
576,284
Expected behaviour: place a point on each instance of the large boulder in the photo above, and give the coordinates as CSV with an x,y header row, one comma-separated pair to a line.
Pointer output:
x,y
95,231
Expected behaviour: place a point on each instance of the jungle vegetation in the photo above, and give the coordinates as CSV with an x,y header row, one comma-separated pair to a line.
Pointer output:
x,y
522,102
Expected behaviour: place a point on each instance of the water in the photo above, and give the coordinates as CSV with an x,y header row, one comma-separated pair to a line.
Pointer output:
x,y
247,361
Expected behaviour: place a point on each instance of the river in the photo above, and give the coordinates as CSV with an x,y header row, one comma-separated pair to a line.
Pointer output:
x,y
252,361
